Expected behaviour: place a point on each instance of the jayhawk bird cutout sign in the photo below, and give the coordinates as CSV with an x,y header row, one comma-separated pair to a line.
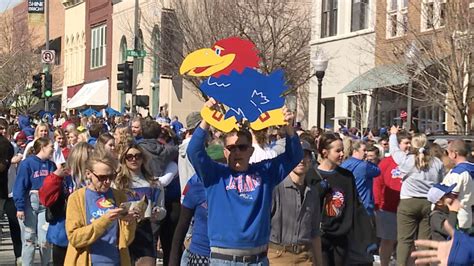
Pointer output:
x,y
233,79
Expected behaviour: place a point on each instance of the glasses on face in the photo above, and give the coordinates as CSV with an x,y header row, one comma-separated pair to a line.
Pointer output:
x,y
131,157
235,147
103,178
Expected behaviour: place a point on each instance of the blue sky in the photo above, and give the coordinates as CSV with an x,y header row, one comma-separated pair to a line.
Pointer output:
x,y
8,3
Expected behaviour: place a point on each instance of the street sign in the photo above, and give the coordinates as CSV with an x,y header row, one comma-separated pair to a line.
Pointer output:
x,y
36,6
136,53
47,56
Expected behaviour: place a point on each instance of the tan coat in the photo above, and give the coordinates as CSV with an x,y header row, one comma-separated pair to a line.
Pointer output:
x,y
81,235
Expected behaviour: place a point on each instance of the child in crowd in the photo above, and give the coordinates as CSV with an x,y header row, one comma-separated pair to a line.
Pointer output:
x,y
446,207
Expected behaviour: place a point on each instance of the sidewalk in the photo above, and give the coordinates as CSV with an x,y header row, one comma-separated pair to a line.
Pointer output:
x,y
7,257
6,248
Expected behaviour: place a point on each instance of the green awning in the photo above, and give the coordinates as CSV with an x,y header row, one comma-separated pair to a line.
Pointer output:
x,y
378,77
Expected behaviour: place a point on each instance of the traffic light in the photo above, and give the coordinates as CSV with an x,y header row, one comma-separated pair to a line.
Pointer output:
x,y
48,85
37,85
125,76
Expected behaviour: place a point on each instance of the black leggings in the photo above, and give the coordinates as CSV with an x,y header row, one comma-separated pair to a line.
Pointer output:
x,y
15,231
335,251
59,253
167,227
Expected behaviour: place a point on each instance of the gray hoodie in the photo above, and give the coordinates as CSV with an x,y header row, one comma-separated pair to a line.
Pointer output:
x,y
416,183
160,155
185,169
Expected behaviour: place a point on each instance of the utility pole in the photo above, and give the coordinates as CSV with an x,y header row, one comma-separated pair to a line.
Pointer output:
x,y
46,66
135,59
409,103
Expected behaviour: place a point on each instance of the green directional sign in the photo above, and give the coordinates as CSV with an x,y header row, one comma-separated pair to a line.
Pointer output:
x,y
136,53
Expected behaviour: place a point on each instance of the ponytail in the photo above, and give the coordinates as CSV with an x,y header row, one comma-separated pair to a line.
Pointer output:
x,y
422,156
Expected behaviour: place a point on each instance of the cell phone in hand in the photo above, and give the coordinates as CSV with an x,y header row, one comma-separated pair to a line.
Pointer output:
x,y
126,207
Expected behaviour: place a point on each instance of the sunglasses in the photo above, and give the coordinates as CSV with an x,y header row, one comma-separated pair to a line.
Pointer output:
x,y
240,147
131,157
103,178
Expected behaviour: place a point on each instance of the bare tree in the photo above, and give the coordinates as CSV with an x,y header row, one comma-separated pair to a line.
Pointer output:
x,y
438,60
280,30
18,60
357,109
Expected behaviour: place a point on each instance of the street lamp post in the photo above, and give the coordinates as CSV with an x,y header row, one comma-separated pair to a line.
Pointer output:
x,y
411,55
320,63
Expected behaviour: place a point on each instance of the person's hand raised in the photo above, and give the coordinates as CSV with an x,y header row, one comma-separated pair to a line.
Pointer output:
x,y
394,129
288,115
289,118
211,103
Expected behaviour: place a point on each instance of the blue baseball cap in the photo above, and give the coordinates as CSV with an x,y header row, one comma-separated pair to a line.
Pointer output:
x,y
438,191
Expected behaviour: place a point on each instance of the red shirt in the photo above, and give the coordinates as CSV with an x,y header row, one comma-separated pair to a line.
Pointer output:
x,y
387,186
65,152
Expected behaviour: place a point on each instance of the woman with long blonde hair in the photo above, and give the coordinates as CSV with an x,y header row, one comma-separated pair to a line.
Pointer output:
x,y
99,225
419,171
136,180
41,131
76,163
123,138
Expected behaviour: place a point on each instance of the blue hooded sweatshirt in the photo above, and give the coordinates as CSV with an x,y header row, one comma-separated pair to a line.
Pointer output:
x,y
364,173
25,126
30,176
239,203
462,250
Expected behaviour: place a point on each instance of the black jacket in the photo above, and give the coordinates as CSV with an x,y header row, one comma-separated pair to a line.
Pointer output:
x,y
6,155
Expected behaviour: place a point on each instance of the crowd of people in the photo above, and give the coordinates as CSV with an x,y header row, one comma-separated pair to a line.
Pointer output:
x,y
122,190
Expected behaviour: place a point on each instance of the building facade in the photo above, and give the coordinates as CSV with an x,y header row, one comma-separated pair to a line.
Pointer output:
x,y
166,92
415,38
74,47
382,51
344,32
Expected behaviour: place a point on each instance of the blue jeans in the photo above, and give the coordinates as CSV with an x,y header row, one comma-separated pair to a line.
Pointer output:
x,y
33,230
185,258
263,262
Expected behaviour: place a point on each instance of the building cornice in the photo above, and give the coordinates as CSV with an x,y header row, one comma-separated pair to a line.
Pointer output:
x,y
342,36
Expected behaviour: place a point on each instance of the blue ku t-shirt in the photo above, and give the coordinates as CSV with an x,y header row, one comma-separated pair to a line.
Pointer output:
x,y
195,199
105,250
